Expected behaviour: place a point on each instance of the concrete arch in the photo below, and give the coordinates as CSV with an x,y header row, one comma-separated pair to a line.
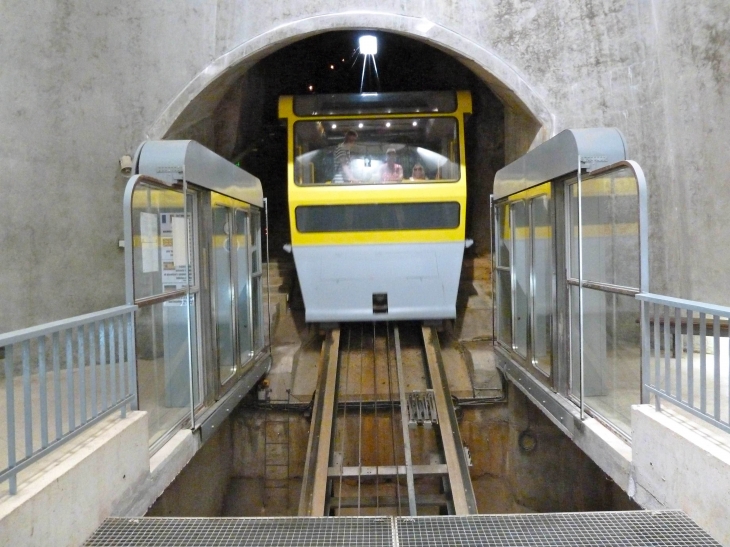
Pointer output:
x,y
200,96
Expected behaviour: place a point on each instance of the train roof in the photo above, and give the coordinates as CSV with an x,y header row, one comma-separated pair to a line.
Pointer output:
x,y
169,160
559,156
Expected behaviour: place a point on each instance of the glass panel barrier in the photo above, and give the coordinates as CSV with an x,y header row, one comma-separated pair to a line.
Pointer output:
x,y
611,277
503,236
504,276
257,302
159,232
610,228
245,349
163,372
504,308
163,250
223,282
542,273
521,267
612,353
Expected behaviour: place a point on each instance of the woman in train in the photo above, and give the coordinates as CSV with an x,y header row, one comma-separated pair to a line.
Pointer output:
x,y
418,173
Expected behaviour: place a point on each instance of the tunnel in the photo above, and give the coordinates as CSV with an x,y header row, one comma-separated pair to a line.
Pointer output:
x,y
235,115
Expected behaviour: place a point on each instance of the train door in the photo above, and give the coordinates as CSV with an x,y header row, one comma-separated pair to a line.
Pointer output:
x,y
525,279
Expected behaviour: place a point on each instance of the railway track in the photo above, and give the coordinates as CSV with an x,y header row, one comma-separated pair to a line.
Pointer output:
x,y
384,438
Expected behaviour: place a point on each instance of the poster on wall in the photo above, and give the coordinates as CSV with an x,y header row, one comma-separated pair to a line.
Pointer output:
x,y
174,253
148,239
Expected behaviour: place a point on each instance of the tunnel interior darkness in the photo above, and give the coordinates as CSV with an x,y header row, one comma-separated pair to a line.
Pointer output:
x,y
245,129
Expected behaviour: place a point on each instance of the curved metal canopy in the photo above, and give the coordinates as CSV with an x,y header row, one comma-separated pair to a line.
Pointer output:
x,y
168,160
596,148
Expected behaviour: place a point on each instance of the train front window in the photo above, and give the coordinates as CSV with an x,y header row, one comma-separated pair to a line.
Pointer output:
x,y
376,151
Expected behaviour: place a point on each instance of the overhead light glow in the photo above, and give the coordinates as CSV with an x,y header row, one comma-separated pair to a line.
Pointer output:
x,y
332,67
334,126
311,87
415,124
360,125
368,45
387,124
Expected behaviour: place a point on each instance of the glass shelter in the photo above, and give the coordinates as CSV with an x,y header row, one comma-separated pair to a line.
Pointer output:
x,y
570,223
193,261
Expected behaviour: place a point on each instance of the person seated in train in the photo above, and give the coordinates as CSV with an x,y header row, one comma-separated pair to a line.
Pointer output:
x,y
343,172
391,171
418,173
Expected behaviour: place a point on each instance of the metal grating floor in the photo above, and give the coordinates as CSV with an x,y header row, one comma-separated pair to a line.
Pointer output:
x,y
228,532
625,529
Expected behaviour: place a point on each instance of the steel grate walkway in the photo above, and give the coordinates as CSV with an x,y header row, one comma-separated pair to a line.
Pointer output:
x,y
621,528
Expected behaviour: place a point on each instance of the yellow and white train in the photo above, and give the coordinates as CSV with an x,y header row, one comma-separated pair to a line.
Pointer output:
x,y
377,203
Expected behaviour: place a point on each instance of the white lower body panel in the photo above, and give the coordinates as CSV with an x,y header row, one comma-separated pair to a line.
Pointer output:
x,y
420,279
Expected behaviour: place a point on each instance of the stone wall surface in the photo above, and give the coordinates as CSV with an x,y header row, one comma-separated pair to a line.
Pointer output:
x,y
85,82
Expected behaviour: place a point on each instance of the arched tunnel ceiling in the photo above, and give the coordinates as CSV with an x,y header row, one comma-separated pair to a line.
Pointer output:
x,y
236,115
198,100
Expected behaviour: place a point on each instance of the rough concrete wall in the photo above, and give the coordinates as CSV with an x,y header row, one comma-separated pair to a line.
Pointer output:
x,y
691,190
84,82
81,81
553,476
199,490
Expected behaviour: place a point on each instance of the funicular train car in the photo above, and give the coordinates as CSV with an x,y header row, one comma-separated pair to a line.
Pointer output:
x,y
377,200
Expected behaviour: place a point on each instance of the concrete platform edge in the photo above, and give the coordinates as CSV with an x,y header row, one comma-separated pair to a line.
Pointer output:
x,y
72,496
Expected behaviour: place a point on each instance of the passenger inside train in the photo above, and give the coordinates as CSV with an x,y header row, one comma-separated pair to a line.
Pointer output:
x,y
418,172
391,171
376,151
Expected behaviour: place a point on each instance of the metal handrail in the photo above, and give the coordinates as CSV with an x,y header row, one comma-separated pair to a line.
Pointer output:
x,y
93,355
692,386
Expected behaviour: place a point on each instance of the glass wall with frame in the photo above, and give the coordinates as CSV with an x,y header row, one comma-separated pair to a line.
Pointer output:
x,y
525,278
503,275
257,288
610,252
236,287
167,293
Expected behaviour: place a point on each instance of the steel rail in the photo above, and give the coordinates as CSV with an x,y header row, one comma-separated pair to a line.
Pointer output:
x,y
404,424
462,491
314,483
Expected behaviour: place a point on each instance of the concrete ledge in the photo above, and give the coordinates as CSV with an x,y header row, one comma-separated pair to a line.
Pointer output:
x,y
165,465
71,497
607,450
681,466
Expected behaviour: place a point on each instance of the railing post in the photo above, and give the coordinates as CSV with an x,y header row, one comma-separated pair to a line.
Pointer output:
x,y
132,358
645,334
10,413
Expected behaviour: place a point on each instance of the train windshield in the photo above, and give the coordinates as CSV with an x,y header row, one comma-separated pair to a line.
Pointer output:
x,y
376,151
